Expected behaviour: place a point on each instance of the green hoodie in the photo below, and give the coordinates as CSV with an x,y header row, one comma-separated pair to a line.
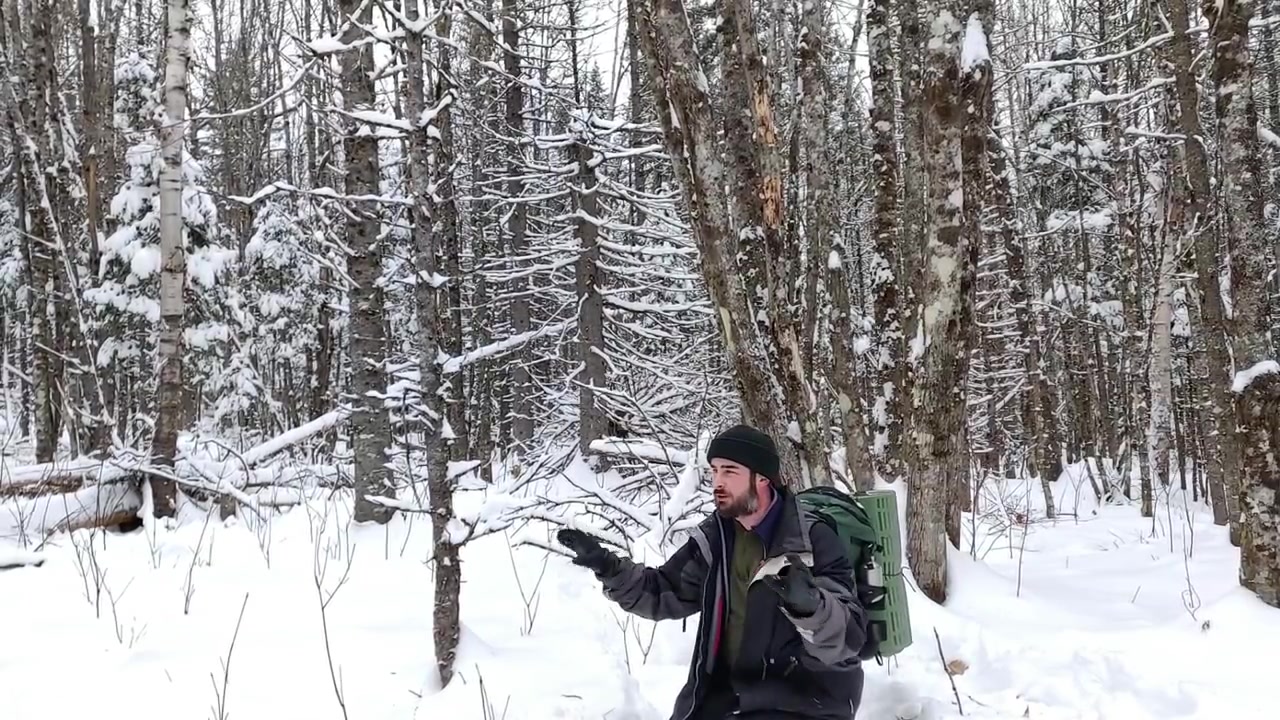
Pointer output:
x,y
748,553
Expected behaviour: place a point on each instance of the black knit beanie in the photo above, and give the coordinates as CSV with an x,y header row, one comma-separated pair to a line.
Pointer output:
x,y
747,446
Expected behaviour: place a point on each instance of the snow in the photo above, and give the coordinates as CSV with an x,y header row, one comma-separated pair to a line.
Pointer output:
x,y
1245,377
13,557
327,45
1268,137
149,619
974,52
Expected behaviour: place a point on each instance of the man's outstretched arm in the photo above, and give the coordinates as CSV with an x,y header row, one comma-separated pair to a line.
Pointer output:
x,y
668,592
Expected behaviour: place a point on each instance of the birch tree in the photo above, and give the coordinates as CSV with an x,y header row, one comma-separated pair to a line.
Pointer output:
x,y
173,269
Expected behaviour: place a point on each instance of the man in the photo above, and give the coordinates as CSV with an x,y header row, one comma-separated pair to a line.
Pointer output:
x,y
780,624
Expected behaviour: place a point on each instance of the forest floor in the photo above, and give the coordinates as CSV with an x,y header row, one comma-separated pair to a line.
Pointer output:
x,y
1101,615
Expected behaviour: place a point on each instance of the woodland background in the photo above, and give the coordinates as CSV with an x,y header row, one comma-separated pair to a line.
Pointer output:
x,y
933,242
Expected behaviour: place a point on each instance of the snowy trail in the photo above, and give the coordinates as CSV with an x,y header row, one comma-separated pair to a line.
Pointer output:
x,y
541,642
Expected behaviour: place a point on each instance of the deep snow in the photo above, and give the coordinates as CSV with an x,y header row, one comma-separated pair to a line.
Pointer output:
x,y
1109,619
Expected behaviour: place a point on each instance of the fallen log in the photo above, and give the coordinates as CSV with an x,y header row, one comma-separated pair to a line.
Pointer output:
x,y
43,477
95,506
67,476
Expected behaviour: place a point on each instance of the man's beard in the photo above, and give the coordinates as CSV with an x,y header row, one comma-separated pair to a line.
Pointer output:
x,y
740,506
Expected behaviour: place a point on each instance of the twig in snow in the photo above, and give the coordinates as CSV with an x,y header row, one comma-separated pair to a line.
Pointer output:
x,y
135,634
1022,550
220,694
623,624
1190,597
189,587
532,599
90,569
318,573
947,670
486,706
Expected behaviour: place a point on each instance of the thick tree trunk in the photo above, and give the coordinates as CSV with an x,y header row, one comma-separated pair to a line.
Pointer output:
x,y
939,461
735,197
767,257
370,427
816,214
1258,405
32,115
885,259
1258,401
913,217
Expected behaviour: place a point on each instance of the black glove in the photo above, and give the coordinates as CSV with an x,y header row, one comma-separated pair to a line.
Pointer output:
x,y
588,553
796,588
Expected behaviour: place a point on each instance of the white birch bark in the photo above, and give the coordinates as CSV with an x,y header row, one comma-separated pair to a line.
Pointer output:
x,y
1160,376
173,268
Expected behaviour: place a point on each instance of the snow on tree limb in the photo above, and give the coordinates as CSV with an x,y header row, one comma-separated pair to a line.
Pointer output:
x,y
284,90
496,349
1148,44
323,192
1244,378
266,449
641,449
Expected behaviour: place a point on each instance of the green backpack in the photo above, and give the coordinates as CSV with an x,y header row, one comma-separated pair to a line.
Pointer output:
x,y
873,544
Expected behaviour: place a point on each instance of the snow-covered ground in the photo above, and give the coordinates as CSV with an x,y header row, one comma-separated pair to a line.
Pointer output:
x,y
1098,616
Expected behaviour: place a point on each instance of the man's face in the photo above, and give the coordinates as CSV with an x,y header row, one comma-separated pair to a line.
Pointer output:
x,y
733,488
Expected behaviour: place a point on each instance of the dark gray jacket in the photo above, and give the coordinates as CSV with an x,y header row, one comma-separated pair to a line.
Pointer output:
x,y
787,668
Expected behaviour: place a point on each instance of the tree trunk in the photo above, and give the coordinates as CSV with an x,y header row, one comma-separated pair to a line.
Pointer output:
x,y
1160,371
1042,442
521,384
735,197
767,258
593,423
164,445
98,391
370,427
1259,407
1197,224
912,222
431,296
32,116
939,461
885,257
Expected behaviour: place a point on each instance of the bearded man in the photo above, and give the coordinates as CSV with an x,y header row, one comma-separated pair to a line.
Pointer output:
x,y
780,625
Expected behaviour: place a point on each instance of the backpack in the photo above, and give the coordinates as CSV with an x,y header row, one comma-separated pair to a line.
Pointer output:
x,y
866,549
